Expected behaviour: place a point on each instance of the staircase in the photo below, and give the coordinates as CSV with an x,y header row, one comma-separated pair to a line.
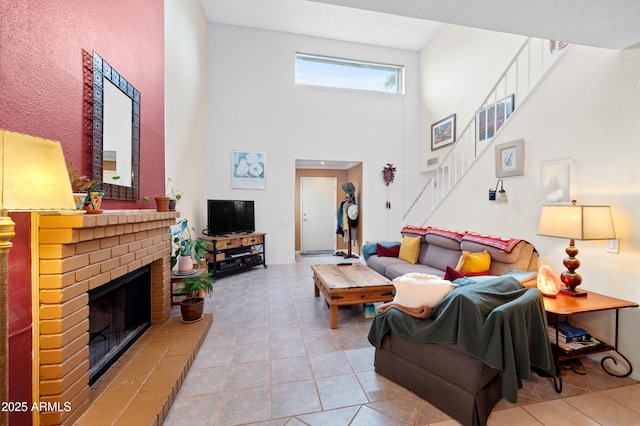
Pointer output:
x,y
523,74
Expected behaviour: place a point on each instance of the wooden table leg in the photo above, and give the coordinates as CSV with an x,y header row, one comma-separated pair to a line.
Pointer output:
x,y
334,316
316,288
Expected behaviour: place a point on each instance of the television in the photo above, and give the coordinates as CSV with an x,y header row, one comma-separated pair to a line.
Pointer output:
x,y
230,217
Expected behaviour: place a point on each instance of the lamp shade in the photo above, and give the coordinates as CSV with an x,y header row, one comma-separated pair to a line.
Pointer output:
x,y
576,222
33,174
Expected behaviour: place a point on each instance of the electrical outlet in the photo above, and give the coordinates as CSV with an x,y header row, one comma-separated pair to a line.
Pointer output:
x,y
613,246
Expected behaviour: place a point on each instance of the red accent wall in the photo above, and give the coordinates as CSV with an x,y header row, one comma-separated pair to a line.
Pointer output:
x,y
41,76
41,94
20,326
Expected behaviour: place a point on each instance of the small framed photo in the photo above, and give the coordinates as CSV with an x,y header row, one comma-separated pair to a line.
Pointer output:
x,y
443,132
510,158
558,183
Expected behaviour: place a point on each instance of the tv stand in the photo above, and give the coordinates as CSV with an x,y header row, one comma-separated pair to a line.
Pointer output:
x,y
233,253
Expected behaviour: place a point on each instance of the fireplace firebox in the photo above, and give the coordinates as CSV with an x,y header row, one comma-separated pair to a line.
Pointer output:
x,y
119,313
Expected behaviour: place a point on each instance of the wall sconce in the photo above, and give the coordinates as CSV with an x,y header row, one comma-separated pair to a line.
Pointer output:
x,y
498,195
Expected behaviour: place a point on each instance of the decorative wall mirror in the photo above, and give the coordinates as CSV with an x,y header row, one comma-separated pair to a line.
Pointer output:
x,y
116,132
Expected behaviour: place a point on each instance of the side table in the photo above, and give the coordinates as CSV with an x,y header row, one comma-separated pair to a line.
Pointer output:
x,y
565,306
176,277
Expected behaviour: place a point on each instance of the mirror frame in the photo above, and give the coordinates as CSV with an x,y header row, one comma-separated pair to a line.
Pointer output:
x,y
102,70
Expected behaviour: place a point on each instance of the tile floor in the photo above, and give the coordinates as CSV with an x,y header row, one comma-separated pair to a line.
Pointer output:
x,y
270,358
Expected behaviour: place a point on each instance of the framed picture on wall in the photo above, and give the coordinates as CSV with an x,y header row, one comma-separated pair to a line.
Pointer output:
x,y
491,118
443,132
510,158
248,170
558,181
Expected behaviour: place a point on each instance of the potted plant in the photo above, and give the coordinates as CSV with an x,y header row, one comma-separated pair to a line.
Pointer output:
x,y
195,287
79,185
166,200
94,199
185,247
174,195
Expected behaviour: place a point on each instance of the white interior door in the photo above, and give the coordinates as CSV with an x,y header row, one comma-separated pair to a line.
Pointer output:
x,y
318,214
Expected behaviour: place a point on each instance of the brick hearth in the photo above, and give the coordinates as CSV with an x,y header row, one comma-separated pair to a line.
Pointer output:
x,y
77,253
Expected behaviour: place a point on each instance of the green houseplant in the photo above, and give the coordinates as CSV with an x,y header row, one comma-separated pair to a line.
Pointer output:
x,y
167,200
174,195
185,247
194,287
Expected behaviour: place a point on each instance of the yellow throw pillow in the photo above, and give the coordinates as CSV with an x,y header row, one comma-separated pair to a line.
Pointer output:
x,y
474,262
409,249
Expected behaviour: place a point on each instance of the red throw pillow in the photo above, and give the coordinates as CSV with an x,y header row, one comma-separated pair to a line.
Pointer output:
x,y
383,251
451,274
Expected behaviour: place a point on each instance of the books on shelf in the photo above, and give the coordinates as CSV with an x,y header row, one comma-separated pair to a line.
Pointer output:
x,y
564,338
571,331
576,348
573,340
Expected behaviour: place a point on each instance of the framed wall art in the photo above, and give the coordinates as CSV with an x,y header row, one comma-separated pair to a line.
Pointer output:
x,y
510,158
491,118
558,181
248,170
443,132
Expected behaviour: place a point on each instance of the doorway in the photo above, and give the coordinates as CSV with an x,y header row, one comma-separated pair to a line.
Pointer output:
x,y
318,215
343,172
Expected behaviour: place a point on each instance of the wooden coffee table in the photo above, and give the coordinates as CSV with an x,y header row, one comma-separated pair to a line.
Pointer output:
x,y
349,284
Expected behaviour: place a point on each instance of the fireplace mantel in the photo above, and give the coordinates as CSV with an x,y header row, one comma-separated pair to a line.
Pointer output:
x,y
77,253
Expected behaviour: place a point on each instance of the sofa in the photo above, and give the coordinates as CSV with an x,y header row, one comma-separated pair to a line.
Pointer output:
x,y
480,340
439,248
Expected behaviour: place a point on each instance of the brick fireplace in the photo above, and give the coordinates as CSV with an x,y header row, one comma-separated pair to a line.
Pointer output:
x,y
78,253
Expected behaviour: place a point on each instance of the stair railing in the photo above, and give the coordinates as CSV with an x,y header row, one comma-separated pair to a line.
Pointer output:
x,y
522,75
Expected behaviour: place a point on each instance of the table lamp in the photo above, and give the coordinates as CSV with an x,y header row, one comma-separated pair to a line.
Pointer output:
x,y
33,176
575,222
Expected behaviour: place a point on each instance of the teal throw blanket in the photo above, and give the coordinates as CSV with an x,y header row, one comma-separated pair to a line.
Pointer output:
x,y
499,321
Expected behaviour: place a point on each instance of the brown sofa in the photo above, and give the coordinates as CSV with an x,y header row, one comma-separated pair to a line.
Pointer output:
x,y
448,376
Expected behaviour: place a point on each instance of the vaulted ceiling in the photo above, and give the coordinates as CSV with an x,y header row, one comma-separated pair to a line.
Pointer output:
x,y
410,24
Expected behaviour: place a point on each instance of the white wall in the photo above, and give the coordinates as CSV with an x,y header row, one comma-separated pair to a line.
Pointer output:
x,y
185,109
254,105
587,109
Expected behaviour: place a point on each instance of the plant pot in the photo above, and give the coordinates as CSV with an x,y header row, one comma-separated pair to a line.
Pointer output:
x,y
185,264
79,198
93,201
172,204
191,309
162,204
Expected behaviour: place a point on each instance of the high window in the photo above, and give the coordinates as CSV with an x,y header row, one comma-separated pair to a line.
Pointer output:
x,y
348,74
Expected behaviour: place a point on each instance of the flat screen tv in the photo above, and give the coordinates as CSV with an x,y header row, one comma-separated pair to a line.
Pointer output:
x,y
230,217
